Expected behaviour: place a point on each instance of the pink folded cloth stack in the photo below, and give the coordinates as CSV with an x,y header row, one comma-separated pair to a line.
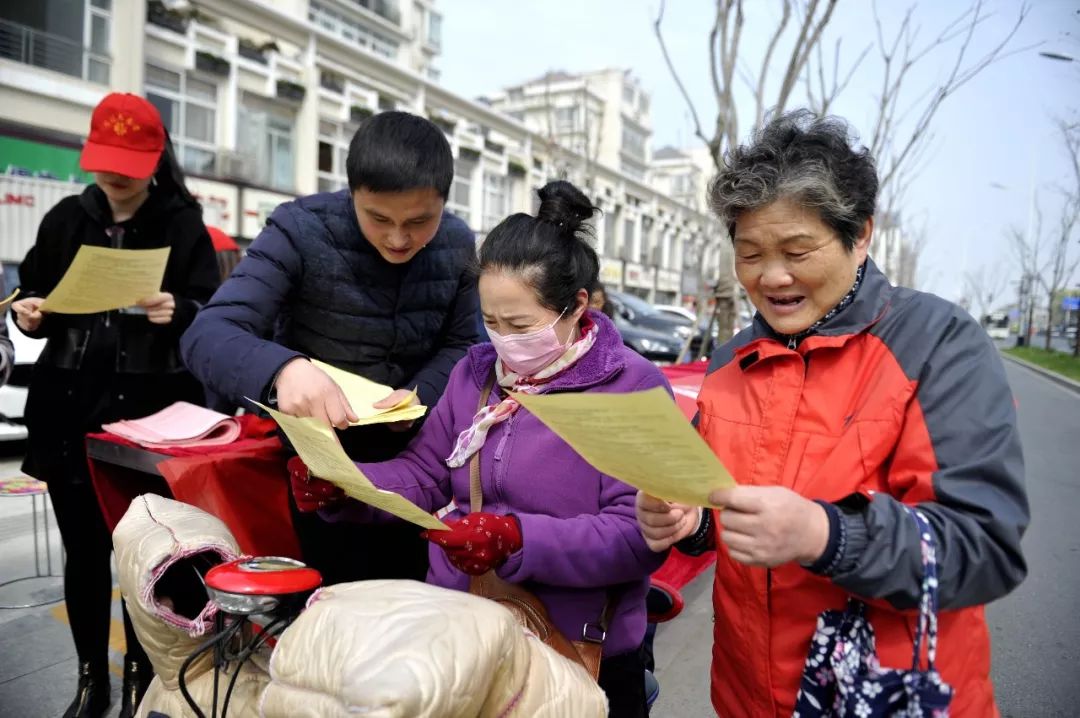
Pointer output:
x,y
181,424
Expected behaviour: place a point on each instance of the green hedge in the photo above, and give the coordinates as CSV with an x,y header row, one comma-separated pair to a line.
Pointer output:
x,y
1064,364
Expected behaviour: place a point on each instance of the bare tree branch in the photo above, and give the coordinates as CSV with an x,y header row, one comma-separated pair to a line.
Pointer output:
x,y
729,59
759,92
960,74
804,44
793,65
743,70
718,37
714,147
985,287
830,90
1070,133
889,85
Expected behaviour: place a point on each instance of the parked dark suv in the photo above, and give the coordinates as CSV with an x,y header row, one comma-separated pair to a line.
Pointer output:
x,y
646,330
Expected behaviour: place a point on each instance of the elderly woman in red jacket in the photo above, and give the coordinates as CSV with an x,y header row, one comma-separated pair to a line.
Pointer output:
x,y
847,399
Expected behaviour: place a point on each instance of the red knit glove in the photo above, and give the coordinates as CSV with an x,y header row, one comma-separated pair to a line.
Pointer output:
x,y
311,494
479,542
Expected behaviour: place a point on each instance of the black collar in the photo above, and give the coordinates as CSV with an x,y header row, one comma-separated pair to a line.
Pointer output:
x,y
859,308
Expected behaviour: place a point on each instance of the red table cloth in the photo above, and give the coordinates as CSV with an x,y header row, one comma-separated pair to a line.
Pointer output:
x,y
245,484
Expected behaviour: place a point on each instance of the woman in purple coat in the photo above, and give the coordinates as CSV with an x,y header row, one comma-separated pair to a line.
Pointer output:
x,y
550,521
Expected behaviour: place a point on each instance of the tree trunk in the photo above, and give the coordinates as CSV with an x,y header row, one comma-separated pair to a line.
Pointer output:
x,y
1049,317
1076,339
725,296
1031,320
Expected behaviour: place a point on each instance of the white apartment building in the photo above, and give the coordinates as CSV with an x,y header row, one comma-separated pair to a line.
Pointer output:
x,y
597,127
261,98
603,116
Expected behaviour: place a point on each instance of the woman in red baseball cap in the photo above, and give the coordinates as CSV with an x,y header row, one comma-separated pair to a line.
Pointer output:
x,y
100,368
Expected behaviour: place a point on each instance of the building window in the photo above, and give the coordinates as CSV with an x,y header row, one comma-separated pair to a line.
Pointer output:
x,y
628,94
628,240
633,141
565,120
73,37
98,31
334,139
461,190
494,200
685,184
632,170
265,137
387,9
607,248
188,108
434,30
352,30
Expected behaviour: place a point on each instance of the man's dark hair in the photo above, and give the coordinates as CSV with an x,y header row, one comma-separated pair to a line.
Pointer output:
x,y
396,151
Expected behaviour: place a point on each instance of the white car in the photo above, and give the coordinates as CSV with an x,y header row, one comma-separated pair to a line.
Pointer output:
x,y
677,311
13,394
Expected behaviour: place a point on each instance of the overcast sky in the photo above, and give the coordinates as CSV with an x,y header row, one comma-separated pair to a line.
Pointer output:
x,y
993,141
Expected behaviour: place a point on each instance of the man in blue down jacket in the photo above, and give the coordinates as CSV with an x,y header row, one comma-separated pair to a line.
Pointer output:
x,y
377,280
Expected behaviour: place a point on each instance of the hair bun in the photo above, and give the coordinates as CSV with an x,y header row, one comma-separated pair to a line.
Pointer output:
x,y
565,206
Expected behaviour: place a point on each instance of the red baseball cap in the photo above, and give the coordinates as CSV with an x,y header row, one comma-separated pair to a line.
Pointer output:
x,y
126,137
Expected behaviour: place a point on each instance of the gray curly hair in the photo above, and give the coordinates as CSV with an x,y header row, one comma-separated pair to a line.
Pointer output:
x,y
805,158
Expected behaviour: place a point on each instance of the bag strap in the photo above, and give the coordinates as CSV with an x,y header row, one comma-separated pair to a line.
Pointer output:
x,y
476,492
928,601
592,632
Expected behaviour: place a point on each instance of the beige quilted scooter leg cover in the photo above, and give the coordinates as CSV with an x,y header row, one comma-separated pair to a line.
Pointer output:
x,y
159,545
403,649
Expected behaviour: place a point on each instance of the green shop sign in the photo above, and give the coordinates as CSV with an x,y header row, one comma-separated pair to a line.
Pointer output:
x,y
26,158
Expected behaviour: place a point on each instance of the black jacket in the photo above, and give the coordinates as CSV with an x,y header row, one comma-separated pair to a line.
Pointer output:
x,y
312,285
98,368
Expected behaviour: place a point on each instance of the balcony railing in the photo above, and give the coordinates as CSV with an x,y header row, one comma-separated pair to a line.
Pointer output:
x,y
52,52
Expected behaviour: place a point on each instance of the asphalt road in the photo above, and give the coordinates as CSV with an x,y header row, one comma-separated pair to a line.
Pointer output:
x,y
1036,629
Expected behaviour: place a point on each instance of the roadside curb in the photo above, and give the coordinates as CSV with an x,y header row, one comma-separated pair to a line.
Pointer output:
x,y
1073,386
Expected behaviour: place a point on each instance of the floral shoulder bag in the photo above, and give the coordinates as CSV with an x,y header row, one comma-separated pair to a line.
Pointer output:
x,y
843,677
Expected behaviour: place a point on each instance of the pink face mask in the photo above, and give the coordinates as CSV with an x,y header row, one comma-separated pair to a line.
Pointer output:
x,y
529,353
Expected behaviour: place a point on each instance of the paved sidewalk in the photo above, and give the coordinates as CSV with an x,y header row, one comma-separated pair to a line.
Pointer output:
x,y
683,652
37,657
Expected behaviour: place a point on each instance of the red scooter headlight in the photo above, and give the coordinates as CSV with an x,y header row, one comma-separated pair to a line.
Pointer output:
x,y
260,585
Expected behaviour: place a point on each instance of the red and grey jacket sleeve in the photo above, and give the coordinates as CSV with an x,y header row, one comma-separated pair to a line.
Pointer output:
x,y
958,457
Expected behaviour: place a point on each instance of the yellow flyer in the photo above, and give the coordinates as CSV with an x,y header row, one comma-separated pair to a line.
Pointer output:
x,y
102,278
640,438
318,446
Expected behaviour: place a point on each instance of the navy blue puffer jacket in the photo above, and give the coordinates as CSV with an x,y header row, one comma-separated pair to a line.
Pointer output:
x,y
312,285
